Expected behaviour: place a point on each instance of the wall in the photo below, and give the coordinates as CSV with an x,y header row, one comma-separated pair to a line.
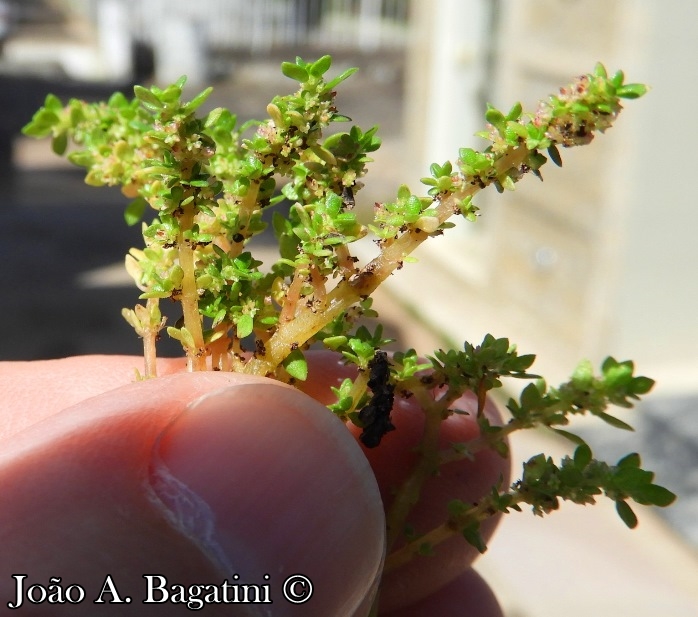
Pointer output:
x,y
598,259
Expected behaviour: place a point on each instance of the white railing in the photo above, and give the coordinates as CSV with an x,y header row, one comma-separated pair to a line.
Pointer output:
x,y
264,25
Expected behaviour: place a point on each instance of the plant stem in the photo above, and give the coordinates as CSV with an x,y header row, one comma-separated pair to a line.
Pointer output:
x,y
405,553
480,443
409,492
427,465
190,295
306,323
149,337
478,513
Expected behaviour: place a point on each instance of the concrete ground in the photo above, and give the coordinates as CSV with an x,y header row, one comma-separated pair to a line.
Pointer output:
x,y
63,288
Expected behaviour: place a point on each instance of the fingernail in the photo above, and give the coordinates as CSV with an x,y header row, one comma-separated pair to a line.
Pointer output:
x,y
269,483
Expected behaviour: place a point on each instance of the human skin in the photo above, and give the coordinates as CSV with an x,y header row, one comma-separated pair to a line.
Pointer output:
x,y
92,465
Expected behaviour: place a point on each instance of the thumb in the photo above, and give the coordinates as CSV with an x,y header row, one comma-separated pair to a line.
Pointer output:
x,y
192,478
302,500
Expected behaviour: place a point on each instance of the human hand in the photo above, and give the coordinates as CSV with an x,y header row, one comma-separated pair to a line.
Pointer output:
x,y
196,476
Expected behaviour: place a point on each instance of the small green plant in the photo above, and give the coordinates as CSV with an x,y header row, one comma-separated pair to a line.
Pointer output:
x,y
209,180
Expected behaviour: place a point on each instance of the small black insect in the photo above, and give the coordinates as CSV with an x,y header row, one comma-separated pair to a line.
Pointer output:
x,y
379,371
348,197
260,348
375,416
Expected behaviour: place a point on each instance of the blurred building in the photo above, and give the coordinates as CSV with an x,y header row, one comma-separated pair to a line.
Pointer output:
x,y
598,259
117,39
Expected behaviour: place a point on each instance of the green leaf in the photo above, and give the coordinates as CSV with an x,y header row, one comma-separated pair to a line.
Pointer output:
x,y
198,100
472,534
630,460
535,468
183,336
53,103
293,71
146,96
456,508
554,154
81,158
296,365
530,396
576,439
642,385
582,456
41,124
632,91
321,66
135,210
613,421
35,129
618,79
339,79
334,342
245,325
608,364
618,374
117,100
324,154
515,112
583,374
653,495
631,479
523,362
600,70
60,143
626,514
507,183
495,118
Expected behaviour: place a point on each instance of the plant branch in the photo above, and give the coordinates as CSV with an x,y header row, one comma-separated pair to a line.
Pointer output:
x,y
150,336
190,295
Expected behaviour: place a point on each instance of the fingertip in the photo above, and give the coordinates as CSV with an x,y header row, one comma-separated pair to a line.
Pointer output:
x,y
287,488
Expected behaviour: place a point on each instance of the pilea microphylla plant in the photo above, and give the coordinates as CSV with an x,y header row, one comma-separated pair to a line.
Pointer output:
x,y
209,180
